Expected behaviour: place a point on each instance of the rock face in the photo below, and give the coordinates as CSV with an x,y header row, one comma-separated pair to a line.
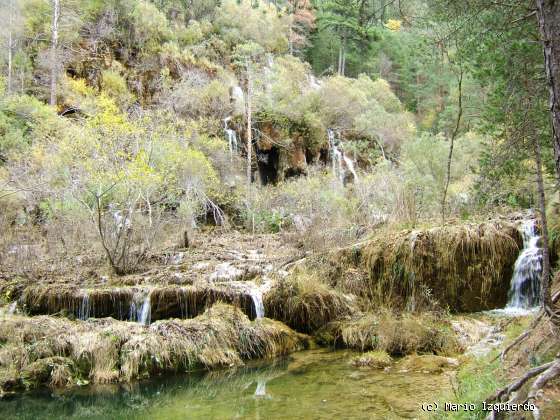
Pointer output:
x,y
281,155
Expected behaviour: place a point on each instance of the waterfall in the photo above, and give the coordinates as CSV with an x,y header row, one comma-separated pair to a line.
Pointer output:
x,y
140,308
11,308
350,166
261,388
524,291
83,310
257,297
338,158
231,137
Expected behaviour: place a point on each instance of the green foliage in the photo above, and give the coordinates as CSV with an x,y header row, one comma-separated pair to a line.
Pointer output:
x,y
424,163
476,381
25,120
239,22
114,85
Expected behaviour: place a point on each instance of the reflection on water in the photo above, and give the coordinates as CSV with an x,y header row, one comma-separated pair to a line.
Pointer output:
x,y
311,384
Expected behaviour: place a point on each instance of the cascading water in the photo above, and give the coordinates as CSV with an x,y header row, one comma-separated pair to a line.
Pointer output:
x,y
260,391
84,309
140,308
231,137
9,310
338,158
12,308
257,297
350,166
525,284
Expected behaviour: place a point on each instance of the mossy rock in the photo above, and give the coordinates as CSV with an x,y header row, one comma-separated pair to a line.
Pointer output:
x,y
54,370
9,382
373,359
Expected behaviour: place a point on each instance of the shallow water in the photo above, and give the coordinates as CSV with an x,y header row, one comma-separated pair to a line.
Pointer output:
x,y
314,384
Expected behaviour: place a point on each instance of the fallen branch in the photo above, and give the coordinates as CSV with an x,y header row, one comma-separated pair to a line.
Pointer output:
x,y
528,331
520,337
514,386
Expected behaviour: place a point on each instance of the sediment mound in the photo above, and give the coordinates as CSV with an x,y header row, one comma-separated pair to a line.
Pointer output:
x,y
466,267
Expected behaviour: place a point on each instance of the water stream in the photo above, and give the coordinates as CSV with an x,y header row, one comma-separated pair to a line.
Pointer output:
x,y
525,284
231,137
257,297
340,161
316,384
83,311
140,309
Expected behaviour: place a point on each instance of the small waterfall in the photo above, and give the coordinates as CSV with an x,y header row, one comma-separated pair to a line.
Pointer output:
x,y
525,284
257,297
84,309
231,137
261,388
10,310
350,166
339,159
140,308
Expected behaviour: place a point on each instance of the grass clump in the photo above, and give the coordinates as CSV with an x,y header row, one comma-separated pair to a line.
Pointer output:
x,y
397,335
375,359
305,303
476,381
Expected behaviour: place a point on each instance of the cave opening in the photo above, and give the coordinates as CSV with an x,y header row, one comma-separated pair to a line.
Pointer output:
x,y
268,162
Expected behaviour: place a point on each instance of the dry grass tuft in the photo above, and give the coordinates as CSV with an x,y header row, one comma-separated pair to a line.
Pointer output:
x,y
375,359
395,334
305,303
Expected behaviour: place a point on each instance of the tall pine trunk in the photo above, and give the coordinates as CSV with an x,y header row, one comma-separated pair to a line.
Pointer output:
x,y
10,46
545,283
548,14
54,46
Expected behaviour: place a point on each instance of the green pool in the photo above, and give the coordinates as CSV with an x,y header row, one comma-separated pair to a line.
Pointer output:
x,y
314,384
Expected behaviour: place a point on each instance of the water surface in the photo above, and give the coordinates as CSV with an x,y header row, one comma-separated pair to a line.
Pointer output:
x,y
314,384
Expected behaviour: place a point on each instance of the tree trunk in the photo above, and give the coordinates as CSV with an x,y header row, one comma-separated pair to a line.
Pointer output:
x,y
343,69
545,281
548,14
249,126
339,69
10,40
54,46
452,144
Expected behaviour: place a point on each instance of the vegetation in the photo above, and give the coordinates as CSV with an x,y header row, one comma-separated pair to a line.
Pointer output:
x,y
356,169
397,335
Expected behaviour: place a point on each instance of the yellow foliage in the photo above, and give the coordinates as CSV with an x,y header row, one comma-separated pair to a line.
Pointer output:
x,y
80,87
394,25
